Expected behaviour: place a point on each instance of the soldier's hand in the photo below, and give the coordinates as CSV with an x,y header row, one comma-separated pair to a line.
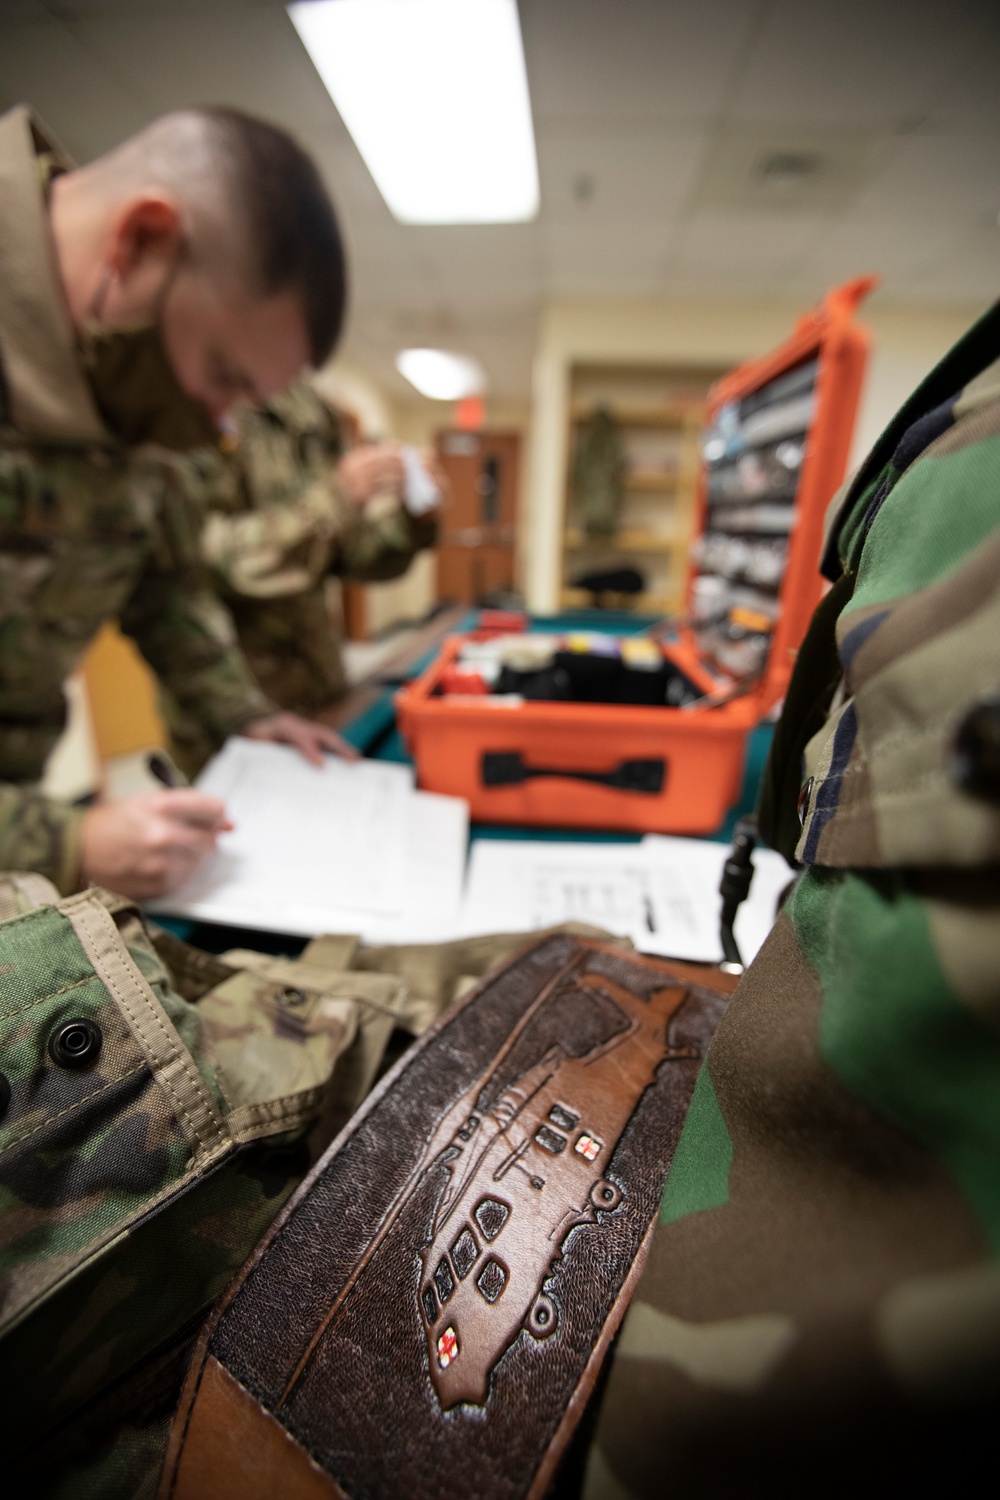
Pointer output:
x,y
310,739
144,846
369,470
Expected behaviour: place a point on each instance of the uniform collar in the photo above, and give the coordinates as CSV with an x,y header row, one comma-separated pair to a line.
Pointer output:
x,y
967,376
46,387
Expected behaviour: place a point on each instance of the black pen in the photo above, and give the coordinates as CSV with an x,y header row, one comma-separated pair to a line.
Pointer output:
x,y
165,771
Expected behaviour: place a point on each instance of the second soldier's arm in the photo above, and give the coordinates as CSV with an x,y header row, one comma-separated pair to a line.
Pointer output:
x,y
187,635
381,541
179,625
278,549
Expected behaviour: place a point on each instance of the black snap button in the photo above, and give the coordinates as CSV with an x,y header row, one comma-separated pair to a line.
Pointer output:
x,y
75,1044
4,1094
803,803
975,751
291,997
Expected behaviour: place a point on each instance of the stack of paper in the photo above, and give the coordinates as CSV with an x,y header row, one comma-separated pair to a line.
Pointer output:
x,y
346,847
353,847
663,893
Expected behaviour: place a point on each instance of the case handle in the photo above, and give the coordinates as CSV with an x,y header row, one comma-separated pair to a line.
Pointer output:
x,y
507,768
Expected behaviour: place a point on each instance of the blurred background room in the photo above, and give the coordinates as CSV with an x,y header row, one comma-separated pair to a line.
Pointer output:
x,y
565,220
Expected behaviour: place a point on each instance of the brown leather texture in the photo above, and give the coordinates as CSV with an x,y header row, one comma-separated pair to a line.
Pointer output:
x,y
236,1451
429,1314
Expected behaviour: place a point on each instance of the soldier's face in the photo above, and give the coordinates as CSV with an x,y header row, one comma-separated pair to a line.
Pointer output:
x,y
226,346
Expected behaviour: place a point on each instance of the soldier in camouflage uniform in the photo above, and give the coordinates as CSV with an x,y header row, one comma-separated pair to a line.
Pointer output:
x,y
820,1310
95,522
153,1101
280,522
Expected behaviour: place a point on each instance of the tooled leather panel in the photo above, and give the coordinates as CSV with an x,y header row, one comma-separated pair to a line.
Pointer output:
x,y
424,1317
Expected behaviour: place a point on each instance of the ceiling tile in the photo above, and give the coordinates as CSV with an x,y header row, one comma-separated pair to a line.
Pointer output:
x,y
936,174
897,251
734,249
592,176
600,61
86,106
971,98
222,53
609,259
971,268
853,62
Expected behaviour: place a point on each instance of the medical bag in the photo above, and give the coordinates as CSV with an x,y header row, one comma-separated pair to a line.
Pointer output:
x,y
565,731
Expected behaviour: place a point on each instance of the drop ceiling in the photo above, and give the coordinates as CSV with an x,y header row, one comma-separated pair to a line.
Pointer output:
x,y
725,147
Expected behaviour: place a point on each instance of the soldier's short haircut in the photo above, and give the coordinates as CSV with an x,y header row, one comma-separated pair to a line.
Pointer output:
x,y
295,240
254,198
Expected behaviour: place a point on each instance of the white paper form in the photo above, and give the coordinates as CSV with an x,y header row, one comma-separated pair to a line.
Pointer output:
x,y
697,864
309,843
436,844
662,893
437,835
515,885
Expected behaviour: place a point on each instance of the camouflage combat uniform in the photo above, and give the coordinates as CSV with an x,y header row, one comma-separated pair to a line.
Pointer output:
x,y
277,528
820,1311
91,528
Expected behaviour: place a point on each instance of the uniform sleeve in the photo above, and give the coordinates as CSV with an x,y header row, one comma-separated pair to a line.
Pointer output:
x,y
825,1253
277,549
381,542
41,834
181,627
288,547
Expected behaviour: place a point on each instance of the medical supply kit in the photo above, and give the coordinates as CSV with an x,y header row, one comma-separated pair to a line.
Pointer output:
x,y
649,732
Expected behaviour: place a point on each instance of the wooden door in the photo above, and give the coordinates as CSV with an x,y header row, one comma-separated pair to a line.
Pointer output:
x,y
475,554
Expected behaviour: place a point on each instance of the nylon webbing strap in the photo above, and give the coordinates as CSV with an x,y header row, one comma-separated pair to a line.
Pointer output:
x,y
22,891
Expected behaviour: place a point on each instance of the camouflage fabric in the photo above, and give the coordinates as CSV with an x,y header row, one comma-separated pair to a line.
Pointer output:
x,y
89,531
821,1302
132,1187
275,535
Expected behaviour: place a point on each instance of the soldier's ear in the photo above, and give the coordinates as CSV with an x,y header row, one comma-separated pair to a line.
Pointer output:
x,y
148,230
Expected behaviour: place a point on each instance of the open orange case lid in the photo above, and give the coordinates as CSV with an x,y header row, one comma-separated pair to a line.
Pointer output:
x,y
830,335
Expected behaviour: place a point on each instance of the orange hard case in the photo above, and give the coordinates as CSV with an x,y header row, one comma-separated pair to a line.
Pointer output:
x,y
702,747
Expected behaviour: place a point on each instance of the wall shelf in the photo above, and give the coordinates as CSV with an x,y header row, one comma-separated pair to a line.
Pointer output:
x,y
651,482
673,415
648,603
660,415
625,541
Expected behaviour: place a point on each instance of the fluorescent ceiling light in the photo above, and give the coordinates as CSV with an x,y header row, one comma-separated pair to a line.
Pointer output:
x,y
440,375
435,94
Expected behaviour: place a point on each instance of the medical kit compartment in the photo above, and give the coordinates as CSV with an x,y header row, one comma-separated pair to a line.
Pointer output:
x,y
648,733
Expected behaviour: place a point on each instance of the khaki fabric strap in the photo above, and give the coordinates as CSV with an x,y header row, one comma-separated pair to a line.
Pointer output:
x,y
170,1062
383,991
332,950
254,1122
23,891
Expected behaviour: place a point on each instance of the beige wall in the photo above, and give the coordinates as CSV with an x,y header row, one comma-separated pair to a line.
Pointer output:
x,y
340,382
417,422
906,343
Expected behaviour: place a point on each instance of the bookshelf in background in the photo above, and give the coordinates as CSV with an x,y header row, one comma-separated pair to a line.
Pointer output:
x,y
660,411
